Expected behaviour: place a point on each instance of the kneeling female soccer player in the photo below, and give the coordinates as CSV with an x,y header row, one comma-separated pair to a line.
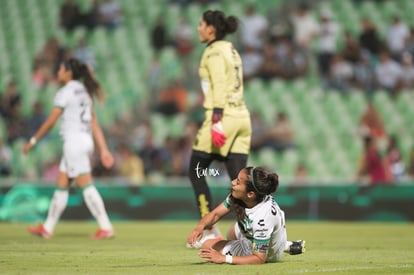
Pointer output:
x,y
259,235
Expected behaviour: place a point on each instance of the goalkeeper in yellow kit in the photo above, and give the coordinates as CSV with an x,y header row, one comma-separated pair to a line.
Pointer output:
x,y
226,131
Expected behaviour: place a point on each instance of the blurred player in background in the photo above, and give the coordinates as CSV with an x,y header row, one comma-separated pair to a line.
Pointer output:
x,y
226,131
259,235
79,128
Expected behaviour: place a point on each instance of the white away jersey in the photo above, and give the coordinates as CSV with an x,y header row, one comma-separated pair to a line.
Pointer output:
x,y
264,225
77,108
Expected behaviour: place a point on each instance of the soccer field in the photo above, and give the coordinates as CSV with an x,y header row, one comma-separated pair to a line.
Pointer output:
x,y
144,247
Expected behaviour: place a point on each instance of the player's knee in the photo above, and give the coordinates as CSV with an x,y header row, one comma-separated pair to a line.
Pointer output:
x,y
215,244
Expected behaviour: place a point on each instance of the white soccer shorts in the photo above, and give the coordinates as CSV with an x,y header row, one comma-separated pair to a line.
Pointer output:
x,y
244,247
77,151
239,247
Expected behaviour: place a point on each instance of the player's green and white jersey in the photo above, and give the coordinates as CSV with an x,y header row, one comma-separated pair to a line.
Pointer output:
x,y
263,224
77,108
221,78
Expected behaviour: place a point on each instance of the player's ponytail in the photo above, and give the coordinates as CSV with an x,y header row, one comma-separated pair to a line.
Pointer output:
x,y
93,87
223,25
273,180
81,71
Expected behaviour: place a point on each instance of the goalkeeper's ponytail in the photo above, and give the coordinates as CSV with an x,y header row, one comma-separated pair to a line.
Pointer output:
x,y
223,24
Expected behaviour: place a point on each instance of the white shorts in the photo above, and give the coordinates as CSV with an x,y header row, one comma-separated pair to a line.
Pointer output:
x,y
239,247
244,247
77,151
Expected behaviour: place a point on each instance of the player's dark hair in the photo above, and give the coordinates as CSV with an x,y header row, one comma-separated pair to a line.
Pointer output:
x,y
238,207
223,24
81,71
260,181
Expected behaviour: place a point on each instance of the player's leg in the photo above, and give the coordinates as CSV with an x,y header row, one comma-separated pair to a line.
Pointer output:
x,y
57,206
215,243
231,233
199,162
235,163
291,247
79,167
295,247
238,247
58,203
239,149
96,206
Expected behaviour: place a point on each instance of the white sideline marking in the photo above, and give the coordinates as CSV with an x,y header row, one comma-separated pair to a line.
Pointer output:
x,y
339,269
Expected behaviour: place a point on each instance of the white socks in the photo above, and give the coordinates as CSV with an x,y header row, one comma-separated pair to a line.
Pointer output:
x,y
56,207
92,199
95,204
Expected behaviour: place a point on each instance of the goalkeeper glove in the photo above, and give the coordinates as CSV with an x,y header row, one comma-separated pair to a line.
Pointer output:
x,y
217,132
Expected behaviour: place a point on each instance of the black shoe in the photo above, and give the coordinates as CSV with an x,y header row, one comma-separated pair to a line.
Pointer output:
x,y
297,247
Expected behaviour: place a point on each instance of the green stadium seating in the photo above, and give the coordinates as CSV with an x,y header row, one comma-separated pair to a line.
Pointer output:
x,y
3,130
325,123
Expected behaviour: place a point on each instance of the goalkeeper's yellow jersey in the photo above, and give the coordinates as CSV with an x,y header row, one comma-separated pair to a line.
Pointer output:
x,y
222,83
221,78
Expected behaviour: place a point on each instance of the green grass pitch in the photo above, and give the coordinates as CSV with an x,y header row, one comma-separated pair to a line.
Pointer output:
x,y
144,247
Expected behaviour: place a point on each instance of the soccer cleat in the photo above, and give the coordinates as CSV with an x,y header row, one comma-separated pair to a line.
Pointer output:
x,y
297,247
102,234
40,231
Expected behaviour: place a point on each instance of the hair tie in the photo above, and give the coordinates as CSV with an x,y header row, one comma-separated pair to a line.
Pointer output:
x,y
252,180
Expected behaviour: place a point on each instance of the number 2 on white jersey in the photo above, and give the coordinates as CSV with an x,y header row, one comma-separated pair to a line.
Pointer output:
x,y
85,115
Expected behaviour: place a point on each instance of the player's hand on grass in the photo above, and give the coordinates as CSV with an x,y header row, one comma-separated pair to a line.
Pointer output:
x,y
212,255
194,236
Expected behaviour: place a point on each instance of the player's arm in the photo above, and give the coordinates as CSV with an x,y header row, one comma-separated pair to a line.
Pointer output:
x,y
216,67
217,70
214,256
106,156
44,128
255,258
208,220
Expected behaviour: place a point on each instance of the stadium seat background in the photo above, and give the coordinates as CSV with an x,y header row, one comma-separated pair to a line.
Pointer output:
x,y
325,125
